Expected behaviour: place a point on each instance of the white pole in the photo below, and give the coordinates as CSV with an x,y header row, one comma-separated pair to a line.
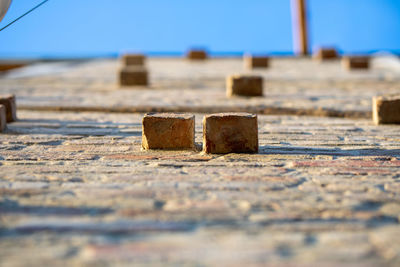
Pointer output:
x,y
300,34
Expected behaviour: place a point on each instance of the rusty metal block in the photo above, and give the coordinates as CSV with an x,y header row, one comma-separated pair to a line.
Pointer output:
x,y
133,75
3,118
386,109
244,85
169,131
11,107
197,54
252,62
133,59
326,53
356,62
230,133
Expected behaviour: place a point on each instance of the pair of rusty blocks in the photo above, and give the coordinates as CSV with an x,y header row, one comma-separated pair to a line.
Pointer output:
x,y
133,71
348,62
8,111
250,61
222,132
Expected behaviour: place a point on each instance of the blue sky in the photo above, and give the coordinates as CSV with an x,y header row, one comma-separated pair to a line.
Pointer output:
x,y
104,27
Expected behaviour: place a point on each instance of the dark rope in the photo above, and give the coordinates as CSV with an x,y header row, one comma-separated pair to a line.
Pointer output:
x,y
23,15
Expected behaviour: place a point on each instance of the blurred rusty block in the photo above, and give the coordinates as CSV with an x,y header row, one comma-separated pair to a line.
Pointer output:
x,y
10,65
133,75
3,118
244,85
252,62
386,109
197,54
326,53
8,101
356,62
133,59
230,133
168,131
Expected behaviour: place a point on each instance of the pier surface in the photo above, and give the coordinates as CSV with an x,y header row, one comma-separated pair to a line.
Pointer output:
x,y
76,188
